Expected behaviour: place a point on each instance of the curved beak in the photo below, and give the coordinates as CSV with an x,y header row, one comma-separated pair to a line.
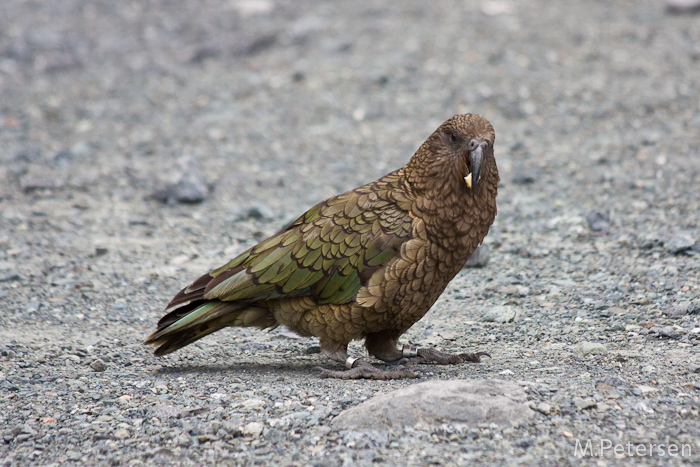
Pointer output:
x,y
475,158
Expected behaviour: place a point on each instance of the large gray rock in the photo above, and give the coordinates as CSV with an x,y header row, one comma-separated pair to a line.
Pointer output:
x,y
440,402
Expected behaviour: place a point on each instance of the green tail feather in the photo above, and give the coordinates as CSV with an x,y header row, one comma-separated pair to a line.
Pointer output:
x,y
206,319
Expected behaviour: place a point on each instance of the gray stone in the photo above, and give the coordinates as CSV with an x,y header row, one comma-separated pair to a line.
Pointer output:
x,y
665,331
257,211
519,290
163,411
682,6
649,240
190,186
39,177
583,404
499,314
677,311
9,276
98,365
184,440
434,403
590,348
253,429
680,241
366,439
480,258
523,178
598,221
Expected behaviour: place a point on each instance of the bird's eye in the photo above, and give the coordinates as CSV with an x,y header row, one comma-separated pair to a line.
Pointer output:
x,y
454,136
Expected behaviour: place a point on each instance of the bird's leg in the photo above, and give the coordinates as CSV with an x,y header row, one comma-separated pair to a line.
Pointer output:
x,y
356,367
413,355
383,346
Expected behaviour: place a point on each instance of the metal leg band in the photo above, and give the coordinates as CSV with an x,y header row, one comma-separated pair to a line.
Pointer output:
x,y
350,362
409,352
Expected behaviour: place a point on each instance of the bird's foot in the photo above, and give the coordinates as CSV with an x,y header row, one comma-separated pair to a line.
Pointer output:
x,y
424,355
359,369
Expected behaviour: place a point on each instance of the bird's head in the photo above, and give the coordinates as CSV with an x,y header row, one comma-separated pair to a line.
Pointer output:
x,y
460,152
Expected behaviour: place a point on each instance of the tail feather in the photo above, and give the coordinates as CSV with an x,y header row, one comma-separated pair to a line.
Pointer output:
x,y
173,334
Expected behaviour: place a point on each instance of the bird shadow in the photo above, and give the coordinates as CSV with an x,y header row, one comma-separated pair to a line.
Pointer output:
x,y
259,369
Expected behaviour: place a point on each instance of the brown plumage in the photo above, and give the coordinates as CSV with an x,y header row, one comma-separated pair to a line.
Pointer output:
x,y
366,264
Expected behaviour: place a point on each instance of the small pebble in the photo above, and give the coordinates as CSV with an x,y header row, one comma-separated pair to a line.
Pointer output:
x,y
190,188
253,429
680,241
682,6
480,258
583,404
98,365
523,179
499,314
258,211
590,348
665,331
598,221
9,276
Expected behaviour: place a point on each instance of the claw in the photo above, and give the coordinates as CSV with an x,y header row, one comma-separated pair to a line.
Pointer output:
x,y
426,355
474,357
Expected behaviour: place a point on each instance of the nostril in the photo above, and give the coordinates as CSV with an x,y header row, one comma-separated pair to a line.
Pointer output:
x,y
484,145
473,144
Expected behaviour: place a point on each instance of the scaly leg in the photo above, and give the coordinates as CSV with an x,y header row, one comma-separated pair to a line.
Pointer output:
x,y
357,368
383,346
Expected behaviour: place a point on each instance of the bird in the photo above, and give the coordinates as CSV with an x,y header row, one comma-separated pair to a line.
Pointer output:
x,y
365,264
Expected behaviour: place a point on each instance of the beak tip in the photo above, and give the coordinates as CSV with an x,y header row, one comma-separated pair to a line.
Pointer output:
x,y
476,158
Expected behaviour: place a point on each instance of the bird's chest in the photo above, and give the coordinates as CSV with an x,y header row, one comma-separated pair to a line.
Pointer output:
x,y
413,284
416,280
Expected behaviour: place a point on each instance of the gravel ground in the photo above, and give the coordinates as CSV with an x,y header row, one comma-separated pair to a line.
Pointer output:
x,y
143,143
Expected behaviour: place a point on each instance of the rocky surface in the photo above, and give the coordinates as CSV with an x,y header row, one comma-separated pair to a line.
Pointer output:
x,y
143,143
430,404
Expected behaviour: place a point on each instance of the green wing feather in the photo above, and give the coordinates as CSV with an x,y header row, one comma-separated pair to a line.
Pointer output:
x,y
328,253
